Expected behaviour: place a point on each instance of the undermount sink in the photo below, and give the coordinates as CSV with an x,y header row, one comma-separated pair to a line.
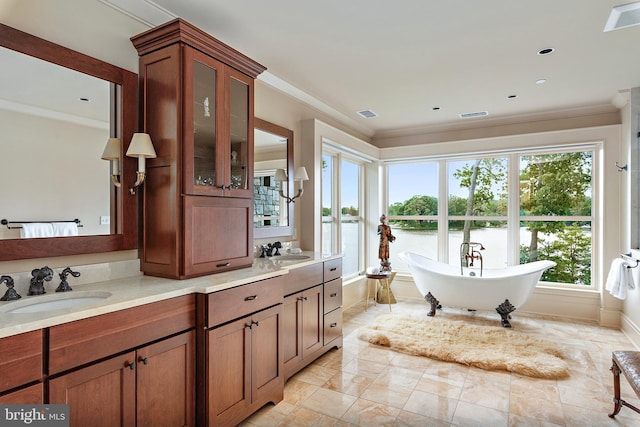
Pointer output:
x,y
290,257
39,304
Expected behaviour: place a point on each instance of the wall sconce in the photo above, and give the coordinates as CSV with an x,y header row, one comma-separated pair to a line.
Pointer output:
x,y
142,148
112,153
299,176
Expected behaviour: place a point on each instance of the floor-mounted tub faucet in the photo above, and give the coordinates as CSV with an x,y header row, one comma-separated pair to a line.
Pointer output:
x,y
468,253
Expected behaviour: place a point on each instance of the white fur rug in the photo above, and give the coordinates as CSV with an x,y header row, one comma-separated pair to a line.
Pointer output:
x,y
486,347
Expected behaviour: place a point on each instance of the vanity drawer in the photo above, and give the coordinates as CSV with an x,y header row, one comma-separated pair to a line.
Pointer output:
x,y
301,278
332,295
20,359
224,306
332,269
76,343
332,325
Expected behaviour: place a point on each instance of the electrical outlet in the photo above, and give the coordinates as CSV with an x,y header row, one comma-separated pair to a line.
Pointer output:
x,y
105,220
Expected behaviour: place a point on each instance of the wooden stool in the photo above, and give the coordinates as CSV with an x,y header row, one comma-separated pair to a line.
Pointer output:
x,y
628,363
382,280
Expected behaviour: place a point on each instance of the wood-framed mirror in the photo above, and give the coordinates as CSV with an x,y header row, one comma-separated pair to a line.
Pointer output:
x,y
121,232
273,150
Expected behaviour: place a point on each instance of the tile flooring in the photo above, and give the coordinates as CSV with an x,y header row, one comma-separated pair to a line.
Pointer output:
x,y
365,385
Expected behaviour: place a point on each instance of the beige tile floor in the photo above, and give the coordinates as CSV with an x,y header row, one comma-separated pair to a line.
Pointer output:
x,y
365,385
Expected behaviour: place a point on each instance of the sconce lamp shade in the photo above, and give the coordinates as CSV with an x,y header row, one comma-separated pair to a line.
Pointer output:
x,y
141,146
112,149
281,175
301,174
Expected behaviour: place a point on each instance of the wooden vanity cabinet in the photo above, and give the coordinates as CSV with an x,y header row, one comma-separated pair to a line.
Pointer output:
x,y
21,365
134,367
197,101
240,361
312,314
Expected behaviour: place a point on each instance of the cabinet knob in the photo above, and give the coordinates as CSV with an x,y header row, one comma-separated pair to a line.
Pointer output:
x,y
333,325
131,365
144,360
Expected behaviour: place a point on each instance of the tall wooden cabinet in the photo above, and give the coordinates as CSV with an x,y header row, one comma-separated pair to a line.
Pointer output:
x,y
197,106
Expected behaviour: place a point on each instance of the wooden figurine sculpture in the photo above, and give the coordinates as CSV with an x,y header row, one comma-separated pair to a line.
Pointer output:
x,y
384,231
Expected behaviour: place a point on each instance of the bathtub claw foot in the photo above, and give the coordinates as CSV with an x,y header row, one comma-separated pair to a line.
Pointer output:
x,y
504,311
434,304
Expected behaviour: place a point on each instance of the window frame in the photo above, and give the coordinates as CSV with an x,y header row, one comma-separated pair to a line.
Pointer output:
x,y
336,218
513,216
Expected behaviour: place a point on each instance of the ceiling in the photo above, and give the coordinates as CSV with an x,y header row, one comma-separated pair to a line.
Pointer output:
x,y
403,60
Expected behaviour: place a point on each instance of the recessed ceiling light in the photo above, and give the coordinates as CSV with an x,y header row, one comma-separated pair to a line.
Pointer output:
x,y
541,81
512,96
623,16
546,51
367,114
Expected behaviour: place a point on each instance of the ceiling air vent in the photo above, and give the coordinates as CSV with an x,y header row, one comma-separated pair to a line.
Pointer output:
x,y
367,114
623,16
472,115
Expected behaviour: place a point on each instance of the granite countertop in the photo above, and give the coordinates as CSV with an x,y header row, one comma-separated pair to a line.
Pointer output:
x,y
138,290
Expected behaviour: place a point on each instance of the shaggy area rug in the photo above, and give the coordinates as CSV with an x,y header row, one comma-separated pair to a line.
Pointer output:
x,y
486,347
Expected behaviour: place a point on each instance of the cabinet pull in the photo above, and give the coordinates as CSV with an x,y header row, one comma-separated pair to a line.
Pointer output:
x,y
333,295
333,325
144,360
333,269
255,323
251,297
131,365
224,264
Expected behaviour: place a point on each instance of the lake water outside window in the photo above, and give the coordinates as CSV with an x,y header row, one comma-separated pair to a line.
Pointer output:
x,y
550,198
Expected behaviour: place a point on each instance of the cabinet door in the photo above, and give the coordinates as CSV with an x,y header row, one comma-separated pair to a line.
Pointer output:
x,y
205,126
218,232
239,160
292,330
267,380
229,371
166,382
99,395
32,394
312,314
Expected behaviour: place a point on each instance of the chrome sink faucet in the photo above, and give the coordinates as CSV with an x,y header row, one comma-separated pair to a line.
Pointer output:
x,y
38,277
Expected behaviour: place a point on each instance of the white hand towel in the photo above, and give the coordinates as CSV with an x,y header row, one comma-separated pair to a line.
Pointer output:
x,y
619,279
36,229
64,229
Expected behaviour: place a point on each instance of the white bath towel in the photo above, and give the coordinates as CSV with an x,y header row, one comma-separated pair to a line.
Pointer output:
x,y
36,229
64,229
619,279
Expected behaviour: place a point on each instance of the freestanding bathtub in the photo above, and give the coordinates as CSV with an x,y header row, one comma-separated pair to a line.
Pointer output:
x,y
498,289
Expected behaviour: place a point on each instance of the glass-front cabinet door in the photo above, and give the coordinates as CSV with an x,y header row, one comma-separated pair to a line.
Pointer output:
x,y
218,117
241,150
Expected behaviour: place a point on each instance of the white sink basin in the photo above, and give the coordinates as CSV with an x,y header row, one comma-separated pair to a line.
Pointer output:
x,y
290,257
38,304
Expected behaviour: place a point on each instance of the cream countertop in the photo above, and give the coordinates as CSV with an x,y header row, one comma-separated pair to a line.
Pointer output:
x,y
135,291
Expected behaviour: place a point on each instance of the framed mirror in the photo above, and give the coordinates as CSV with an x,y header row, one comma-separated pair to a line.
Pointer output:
x,y
58,107
273,151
